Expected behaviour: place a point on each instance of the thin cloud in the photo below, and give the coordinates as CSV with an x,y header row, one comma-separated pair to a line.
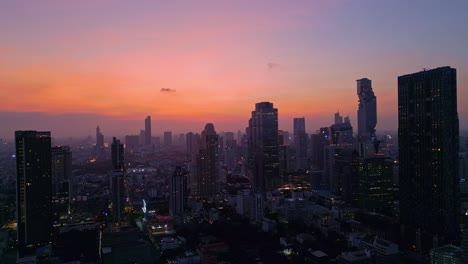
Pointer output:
x,y
272,65
167,90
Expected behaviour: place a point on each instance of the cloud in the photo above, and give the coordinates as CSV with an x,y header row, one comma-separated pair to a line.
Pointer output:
x,y
167,90
272,65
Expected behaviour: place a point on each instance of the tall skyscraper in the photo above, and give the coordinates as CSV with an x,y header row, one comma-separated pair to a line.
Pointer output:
x,y
33,189
117,180
178,192
300,144
148,130
99,138
428,151
367,110
207,162
62,181
263,146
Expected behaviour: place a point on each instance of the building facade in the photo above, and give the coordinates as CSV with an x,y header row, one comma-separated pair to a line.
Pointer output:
x,y
428,150
34,189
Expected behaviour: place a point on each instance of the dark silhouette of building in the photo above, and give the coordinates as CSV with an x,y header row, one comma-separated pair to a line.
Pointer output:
x,y
148,130
300,144
342,133
367,110
117,180
62,181
347,176
338,118
318,143
99,138
178,192
428,155
34,190
263,146
207,162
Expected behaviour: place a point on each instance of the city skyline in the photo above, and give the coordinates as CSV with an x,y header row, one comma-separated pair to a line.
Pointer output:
x,y
186,65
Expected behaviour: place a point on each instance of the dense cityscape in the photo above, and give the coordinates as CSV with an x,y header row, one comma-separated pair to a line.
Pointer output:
x,y
258,195
233,132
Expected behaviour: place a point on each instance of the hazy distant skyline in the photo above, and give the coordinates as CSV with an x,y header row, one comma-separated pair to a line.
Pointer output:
x,y
187,63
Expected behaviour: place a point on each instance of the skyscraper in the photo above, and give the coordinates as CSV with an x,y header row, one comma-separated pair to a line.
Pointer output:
x,y
263,146
367,110
428,152
342,133
300,143
117,180
207,162
148,130
178,192
34,189
62,180
99,138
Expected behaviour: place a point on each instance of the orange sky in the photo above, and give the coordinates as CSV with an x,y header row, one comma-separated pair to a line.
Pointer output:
x,y
113,58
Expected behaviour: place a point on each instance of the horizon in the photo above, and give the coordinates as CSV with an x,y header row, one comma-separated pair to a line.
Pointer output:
x,y
187,64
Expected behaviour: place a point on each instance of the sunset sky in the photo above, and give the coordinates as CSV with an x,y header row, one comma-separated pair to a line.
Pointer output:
x,y
67,66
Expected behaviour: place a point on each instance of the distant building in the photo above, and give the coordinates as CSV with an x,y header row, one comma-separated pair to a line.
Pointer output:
x,y
338,118
300,144
428,155
318,142
367,110
168,139
346,175
62,180
33,190
207,162
342,133
263,147
178,192
99,138
148,130
117,180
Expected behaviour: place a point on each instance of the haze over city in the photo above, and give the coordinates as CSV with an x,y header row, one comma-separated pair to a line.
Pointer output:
x,y
187,63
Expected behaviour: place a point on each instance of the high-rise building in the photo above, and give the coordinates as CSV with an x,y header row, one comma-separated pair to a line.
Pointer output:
x,y
375,183
263,147
318,142
207,162
338,118
148,130
99,138
346,181
428,157
367,110
300,144
178,192
168,139
62,181
33,189
342,133
117,180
